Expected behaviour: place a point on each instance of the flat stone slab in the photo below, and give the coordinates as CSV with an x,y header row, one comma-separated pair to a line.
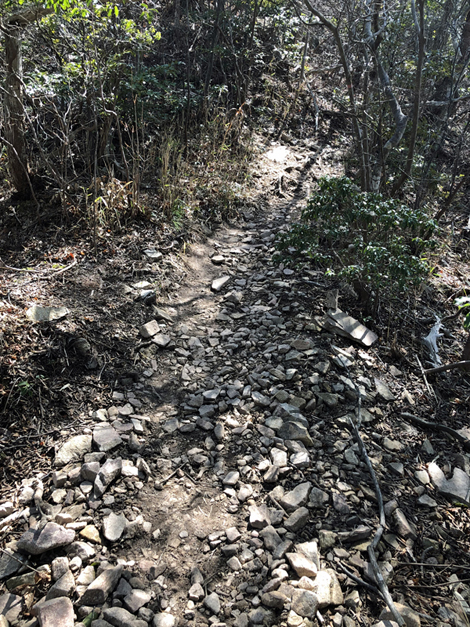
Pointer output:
x,y
73,450
347,326
51,536
36,313
105,438
455,489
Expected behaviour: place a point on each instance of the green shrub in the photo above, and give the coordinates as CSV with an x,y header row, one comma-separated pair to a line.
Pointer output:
x,y
374,242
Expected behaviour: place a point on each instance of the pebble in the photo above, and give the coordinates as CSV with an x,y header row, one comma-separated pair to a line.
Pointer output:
x,y
212,602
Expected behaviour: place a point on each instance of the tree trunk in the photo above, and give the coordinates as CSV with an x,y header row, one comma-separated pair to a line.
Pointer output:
x,y
13,112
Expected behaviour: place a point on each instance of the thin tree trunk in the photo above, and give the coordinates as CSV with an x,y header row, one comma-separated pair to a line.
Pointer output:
x,y
349,86
419,25
13,112
215,36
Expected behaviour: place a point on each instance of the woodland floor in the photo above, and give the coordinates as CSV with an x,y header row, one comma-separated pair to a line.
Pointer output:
x,y
233,352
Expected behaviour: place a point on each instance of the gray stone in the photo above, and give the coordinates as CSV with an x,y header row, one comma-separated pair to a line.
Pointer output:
x,y
274,599
161,340
245,491
73,450
410,617
114,526
295,431
219,283
297,497
99,590
86,576
55,613
90,470
327,538
212,602
83,550
105,437
123,589
270,537
51,536
297,520
63,587
427,501
109,471
119,617
10,563
300,459
304,603
310,550
260,616
10,606
302,565
340,503
290,412
422,477
318,498
383,390
455,489
196,592
136,599
404,528
331,400
326,587
149,329
231,478
60,565
234,564
394,446
397,468
259,516
164,620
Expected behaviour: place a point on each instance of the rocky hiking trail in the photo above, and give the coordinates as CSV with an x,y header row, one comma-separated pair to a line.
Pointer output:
x,y
224,486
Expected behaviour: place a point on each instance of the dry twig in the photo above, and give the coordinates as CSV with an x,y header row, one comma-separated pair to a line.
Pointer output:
x,y
465,442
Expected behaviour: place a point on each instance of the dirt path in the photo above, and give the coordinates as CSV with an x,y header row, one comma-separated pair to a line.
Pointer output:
x,y
223,486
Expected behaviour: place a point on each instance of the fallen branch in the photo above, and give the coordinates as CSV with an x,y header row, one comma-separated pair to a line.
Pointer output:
x,y
381,584
436,425
358,580
452,366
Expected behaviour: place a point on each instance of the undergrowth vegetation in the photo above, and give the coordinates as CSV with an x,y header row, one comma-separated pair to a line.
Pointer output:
x,y
378,244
